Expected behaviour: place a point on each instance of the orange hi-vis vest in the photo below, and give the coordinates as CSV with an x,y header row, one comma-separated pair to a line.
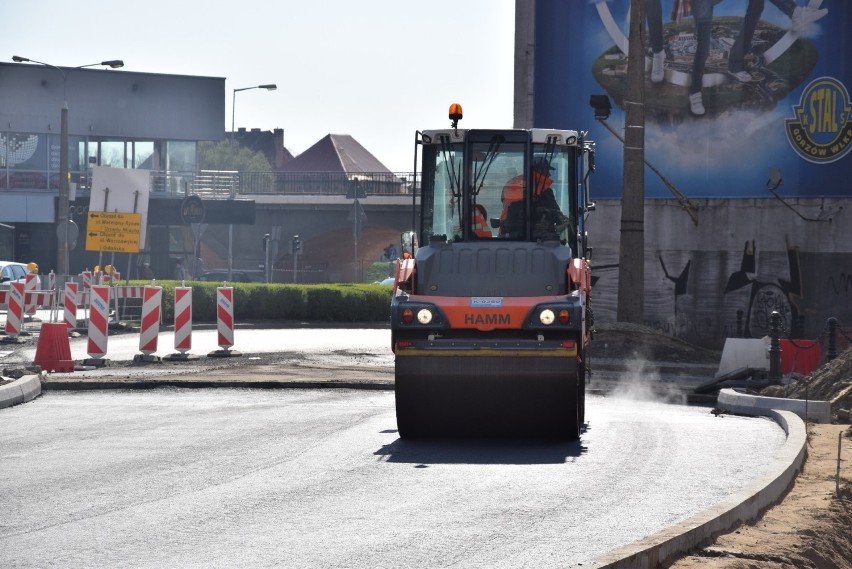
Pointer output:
x,y
513,191
480,223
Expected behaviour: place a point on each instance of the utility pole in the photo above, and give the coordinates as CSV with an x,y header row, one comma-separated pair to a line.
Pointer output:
x,y
631,262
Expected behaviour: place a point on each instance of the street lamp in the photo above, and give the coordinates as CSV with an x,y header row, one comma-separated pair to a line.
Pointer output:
x,y
63,205
268,87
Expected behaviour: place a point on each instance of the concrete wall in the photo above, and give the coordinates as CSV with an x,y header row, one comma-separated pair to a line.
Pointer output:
x,y
754,255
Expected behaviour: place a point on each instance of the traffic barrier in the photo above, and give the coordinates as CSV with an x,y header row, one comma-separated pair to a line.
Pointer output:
x,y
86,279
51,281
69,302
39,298
183,319
126,291
225,322
183,325
151,301
29,299
14,310
53,353
98,325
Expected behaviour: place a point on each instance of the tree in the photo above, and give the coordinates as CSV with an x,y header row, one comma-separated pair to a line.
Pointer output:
x,y
230,155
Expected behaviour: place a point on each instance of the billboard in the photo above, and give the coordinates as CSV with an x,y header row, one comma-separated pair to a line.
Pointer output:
x,y
734,90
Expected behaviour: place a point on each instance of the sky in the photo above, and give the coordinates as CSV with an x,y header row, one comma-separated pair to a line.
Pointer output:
x,y
377,70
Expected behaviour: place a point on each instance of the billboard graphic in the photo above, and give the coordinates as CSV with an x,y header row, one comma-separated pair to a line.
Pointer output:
x,y
733,88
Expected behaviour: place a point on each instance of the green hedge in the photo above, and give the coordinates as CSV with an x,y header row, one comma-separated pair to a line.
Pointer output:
x,y
378,271
257,301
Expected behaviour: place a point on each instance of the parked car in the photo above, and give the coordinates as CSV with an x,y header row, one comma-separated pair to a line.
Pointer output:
x,y
220,276
15,272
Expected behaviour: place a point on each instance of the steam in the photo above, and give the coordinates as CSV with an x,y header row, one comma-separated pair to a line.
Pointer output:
x,y
643,383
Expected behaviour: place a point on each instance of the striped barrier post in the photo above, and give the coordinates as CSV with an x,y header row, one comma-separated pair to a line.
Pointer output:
x,y
98,325
29,288
69,302
183,324
225,322
51,281
152,299
14,311
86,279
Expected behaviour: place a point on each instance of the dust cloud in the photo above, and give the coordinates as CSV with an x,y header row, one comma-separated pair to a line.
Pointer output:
x,y
644,383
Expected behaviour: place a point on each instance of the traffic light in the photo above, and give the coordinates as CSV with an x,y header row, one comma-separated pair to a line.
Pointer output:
x,y
296,245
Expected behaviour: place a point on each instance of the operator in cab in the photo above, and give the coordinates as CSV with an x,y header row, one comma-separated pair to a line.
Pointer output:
x,y
548,220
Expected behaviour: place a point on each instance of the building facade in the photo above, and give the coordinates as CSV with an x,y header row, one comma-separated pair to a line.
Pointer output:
x,y
116,119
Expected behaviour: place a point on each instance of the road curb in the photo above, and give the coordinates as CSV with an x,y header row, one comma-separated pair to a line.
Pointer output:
x,y
743,506
95,384
734,401
22,390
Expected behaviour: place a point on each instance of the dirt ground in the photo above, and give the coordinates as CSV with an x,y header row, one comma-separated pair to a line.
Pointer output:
x,y
811,527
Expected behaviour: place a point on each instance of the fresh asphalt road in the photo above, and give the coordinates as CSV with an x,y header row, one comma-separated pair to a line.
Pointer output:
x,y
320,478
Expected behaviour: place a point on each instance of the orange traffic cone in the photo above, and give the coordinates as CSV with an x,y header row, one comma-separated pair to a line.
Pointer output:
x,y
53,353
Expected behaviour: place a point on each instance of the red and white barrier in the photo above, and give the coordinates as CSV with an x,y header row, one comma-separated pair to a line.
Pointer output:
x,y
225,322
183,319
225,316
98,322
15,310
84,294
69,302
126,291
151,301
29,288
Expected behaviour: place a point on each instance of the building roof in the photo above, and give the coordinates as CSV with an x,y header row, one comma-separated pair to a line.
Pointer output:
x,y
335,153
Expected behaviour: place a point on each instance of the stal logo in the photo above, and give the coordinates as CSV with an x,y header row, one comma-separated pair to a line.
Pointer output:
x,y
821,131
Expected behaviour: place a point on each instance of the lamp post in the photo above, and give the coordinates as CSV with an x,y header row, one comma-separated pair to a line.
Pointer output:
x,y
63,205
268,87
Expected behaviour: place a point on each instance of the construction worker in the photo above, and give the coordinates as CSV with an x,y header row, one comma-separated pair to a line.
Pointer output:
x,y
480,222
511,222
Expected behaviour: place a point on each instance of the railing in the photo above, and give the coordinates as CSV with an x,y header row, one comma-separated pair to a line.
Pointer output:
x,y
225,184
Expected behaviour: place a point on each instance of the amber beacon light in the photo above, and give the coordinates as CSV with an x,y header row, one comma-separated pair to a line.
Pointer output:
x,y
455,114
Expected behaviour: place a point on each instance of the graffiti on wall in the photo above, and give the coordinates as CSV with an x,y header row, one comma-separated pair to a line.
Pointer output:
x,y
752,297
767,297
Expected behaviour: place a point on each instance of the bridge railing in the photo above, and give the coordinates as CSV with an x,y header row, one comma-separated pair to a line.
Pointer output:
x,y
224,184
324,183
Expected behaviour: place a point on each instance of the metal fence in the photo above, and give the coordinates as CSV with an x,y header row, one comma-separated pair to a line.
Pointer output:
x,y
225,184
219,184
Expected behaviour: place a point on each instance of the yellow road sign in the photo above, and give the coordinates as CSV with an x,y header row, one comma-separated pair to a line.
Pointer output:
x,y
113,231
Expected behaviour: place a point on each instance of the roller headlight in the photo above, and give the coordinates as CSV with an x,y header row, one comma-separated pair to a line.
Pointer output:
x,y
424,316
546,317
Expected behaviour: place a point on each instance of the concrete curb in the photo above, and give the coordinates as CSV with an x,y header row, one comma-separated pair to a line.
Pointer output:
x,y
743,506
736,402
95,384
22,390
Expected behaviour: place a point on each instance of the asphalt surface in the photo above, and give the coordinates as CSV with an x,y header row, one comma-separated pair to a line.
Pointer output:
x,y
319,478
304,355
